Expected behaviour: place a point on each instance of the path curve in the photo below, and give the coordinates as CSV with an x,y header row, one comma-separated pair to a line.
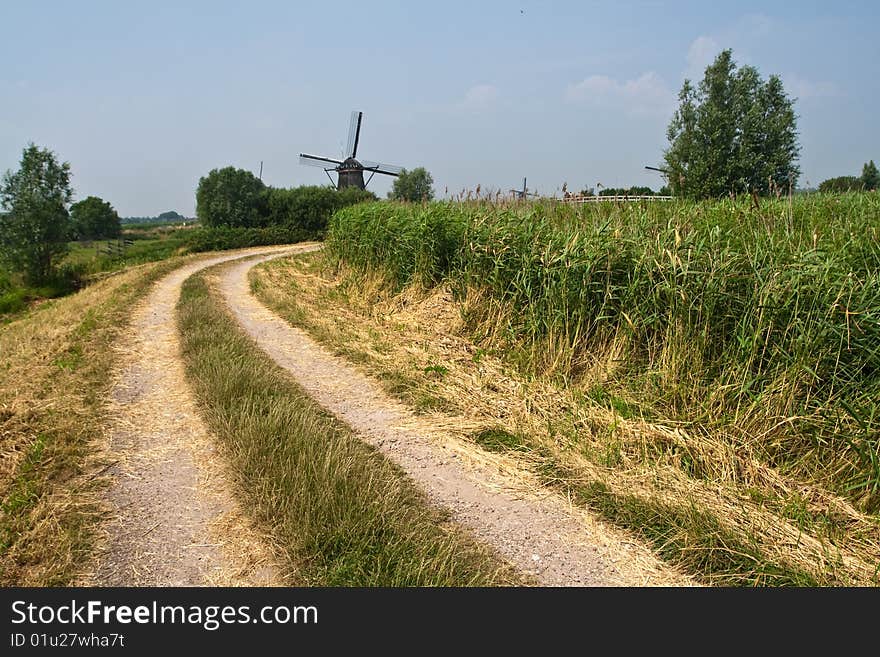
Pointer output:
x,y
173,517
558,544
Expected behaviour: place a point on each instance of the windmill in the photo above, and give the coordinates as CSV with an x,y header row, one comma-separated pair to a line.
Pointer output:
x,y
350,170
666,173
524,192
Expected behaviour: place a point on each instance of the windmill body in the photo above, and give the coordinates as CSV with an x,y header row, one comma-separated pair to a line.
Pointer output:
x,y
350,171
523,193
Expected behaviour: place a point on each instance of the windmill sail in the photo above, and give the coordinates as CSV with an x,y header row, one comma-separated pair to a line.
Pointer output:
x,y
378,167
524,192
316,161
354,134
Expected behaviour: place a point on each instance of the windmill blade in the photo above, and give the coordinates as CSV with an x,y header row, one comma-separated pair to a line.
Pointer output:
x,y
354,133
316,161
378,167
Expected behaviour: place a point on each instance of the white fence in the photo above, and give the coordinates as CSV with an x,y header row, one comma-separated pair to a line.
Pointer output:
x,y
615,199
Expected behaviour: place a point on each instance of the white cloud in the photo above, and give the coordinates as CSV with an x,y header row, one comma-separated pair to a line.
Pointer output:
x,y
647,94
479,97
701,53
804,89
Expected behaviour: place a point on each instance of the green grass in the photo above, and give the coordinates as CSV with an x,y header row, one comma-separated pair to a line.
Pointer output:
x,y
499,440
766,321
111,255
693,539
692,492
344,514
86,262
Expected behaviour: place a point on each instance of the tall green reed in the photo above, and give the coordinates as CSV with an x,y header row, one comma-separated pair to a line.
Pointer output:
x,y
766,320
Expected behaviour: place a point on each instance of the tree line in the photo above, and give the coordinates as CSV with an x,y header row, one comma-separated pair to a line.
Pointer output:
x,y
169,217
236,198
635,190
868,181
39,220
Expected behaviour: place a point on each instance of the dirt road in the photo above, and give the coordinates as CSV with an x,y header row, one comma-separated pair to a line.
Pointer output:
x,y
539,533
173,518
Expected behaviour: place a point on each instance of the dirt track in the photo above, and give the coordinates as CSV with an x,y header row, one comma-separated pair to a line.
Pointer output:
x,y
541,535
174,520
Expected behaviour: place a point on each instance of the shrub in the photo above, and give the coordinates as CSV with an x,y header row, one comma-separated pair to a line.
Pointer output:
x,y
310,207
228,237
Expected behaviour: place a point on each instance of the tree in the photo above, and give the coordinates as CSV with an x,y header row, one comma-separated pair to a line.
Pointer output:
x,y
870,176
732,133
94,219
170,216
36,226
635,190
231,197
841,184
415,186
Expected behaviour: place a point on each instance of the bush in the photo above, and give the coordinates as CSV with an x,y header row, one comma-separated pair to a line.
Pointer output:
x,y
14,297
310,207
228,237
414,186
13,301
94,219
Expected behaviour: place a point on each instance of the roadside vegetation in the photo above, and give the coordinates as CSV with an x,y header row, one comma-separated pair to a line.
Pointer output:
x,y
50,247
55,364
703,374
339,512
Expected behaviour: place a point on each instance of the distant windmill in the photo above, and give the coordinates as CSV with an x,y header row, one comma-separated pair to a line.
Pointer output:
x,y
666,173
350,170
524,192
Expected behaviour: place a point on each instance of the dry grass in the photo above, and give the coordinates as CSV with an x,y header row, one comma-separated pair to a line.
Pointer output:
x,y
55,364
699,495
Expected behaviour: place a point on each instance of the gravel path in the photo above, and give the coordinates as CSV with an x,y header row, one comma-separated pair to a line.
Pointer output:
x,y
173,520
540,534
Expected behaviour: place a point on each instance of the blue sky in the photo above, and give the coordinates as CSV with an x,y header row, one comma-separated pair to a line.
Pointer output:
x,y
144,98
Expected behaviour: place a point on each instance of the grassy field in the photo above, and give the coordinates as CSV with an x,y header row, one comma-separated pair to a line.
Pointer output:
x,y
340,513
148,244
55,363
705,375
87,262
